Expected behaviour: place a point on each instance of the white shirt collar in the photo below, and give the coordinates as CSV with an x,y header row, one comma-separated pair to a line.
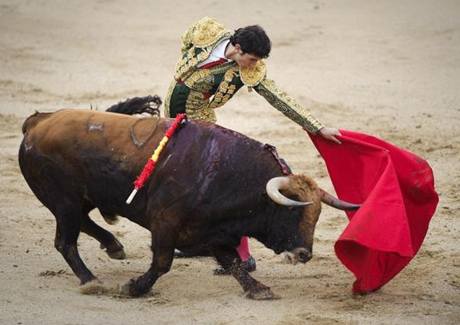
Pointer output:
x,y
219,50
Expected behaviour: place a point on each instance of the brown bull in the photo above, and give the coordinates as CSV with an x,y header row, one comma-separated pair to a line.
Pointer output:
x,y
208,190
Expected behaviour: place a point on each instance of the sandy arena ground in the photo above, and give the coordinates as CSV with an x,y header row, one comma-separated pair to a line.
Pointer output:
x,y
388,68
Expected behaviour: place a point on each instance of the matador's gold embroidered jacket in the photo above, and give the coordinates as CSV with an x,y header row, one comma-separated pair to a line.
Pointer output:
x,y
198,92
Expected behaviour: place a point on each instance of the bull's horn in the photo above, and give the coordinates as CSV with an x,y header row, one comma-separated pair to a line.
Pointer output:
x,y
273,188
337,203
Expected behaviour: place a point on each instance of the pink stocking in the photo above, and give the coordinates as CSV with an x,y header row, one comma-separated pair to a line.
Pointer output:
x,y
243,249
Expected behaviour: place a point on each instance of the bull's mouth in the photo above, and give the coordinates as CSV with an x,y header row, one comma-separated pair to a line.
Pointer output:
x,y
298,255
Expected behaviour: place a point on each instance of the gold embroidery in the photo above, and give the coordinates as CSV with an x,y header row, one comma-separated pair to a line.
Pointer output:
x,y
228,76
225,90
192,62
223,86
202,37
253,76
190,53
187,65
288,106
168,98
207,31
196,76
197,109
198,42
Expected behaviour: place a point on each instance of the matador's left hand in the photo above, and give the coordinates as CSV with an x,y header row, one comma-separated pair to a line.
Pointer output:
x,y
330,134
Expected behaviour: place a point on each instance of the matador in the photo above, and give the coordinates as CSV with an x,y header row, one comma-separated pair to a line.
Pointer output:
x,y
214,64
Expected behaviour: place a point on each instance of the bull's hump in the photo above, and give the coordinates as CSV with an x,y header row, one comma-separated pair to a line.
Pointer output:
x,y
234,135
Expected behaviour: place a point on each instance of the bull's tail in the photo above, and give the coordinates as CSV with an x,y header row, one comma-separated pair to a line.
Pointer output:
x,y
138,105
33,120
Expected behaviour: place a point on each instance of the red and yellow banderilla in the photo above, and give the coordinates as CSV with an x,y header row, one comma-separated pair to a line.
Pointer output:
x,y
151,163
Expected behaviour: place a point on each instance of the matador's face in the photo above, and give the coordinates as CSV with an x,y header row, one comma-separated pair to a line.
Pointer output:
x,y
246,60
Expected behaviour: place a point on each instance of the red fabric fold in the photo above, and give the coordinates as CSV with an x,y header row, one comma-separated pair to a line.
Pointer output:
x,y
396,190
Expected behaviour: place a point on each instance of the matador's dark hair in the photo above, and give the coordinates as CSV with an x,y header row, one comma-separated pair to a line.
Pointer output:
x,y
253,40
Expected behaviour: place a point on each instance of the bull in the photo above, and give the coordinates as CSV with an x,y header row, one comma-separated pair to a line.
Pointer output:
x,y
211,186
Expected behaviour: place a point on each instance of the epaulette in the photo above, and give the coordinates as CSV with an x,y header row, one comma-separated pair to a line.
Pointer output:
x,y
207,31
253,76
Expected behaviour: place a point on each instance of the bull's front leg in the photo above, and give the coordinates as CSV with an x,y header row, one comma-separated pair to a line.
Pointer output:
x,y
163,253
253,289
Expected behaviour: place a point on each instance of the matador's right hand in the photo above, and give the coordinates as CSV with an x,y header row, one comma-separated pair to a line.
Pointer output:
x,y
330,134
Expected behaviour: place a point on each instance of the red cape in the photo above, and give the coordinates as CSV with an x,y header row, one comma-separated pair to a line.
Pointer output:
x,y
396,190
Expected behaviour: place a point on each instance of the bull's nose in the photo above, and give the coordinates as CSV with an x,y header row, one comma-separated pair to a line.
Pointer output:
x,y
304,256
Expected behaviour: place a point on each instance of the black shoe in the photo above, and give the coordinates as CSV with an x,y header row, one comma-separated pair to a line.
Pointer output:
x,y
248,265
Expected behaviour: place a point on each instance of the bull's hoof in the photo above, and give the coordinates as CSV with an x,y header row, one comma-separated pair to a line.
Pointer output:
x,y
262,294
131,289
117,255
128,289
